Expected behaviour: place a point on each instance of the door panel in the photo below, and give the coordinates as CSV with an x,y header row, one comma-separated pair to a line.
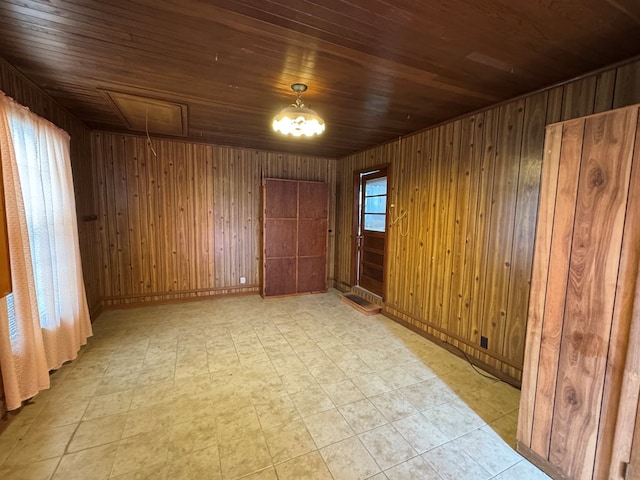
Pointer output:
x,y
313,200
281,199
283,235
373,202
281,275
311,276
312,238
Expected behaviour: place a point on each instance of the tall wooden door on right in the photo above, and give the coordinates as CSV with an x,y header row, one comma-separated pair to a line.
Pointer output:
x,y
581,378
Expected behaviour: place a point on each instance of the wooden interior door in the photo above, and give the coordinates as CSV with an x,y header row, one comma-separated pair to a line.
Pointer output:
x,y
372,235
294,237
5,270
585,271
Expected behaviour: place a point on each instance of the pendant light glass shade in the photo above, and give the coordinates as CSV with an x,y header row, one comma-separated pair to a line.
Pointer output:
x,y
298,120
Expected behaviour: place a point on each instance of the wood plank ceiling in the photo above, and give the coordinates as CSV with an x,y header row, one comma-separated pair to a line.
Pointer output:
x,y
376,69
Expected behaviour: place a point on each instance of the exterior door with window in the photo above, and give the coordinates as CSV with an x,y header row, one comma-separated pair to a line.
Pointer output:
x,y
372,230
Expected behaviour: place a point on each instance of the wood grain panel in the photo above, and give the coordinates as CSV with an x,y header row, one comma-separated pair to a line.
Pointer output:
x,y
311,276
605,83
312,237
497,265
627,87
459,250
282,277
483,215
556,278
524,225
475,153
622,383
284,237
579,98
451,200
580,400
281,202
313,204
416,155
184,221
593,271
539,281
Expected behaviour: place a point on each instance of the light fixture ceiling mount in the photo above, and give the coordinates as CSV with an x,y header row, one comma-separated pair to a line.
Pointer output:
x,y
296,119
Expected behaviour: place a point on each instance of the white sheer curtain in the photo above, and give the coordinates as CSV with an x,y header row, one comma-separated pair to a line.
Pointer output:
x,y
45,321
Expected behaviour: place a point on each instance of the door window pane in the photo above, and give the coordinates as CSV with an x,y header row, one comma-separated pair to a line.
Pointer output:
x,y
375,204
374,222
376,186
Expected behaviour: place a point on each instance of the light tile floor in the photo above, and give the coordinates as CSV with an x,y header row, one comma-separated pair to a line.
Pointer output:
x,y
293,388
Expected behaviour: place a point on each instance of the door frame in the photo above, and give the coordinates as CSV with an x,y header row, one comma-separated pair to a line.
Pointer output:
x,y
355,221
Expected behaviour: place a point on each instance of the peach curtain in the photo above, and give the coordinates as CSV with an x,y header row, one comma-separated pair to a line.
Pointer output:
x,y
45,321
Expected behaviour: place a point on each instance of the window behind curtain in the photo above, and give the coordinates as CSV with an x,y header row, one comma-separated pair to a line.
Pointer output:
x,y
47,314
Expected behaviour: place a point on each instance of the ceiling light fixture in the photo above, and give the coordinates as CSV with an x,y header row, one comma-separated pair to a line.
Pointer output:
x,y
298,120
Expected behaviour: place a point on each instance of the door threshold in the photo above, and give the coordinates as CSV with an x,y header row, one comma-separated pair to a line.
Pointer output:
x,y
363,306
358,290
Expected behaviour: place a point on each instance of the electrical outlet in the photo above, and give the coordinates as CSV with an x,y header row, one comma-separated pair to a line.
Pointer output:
x,y
484,342
243,280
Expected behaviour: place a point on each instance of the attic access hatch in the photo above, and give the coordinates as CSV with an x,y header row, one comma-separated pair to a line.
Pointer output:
x,y
150,115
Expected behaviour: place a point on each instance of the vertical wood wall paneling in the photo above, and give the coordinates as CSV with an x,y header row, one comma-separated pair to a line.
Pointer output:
x,y
137,216
497,267
622,384
483,216
184,223
524,228
183,211
331,252
400,207
579,98
466,180
593,270
449,207
120,204
439,199
554,105
502,222
220,173
539,282
153,220
627,86
417,260
472,148
605,83
99,162
110,222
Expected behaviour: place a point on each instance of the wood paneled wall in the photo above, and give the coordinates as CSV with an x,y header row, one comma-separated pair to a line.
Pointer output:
x,y
459,262
186,221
